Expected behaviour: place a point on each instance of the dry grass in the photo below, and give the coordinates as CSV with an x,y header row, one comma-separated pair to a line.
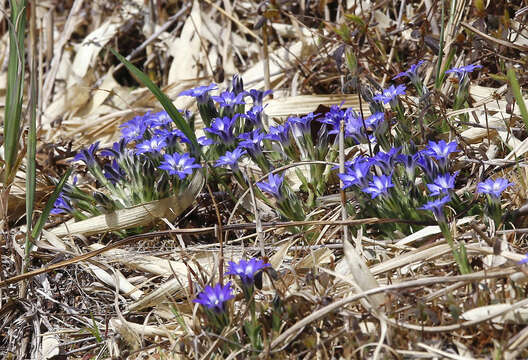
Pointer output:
x,y
92,295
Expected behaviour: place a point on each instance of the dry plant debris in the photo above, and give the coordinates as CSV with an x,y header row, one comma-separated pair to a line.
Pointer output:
x,y
98,289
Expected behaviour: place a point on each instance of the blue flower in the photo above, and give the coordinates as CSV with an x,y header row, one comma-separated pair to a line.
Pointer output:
x,y
160,119
254,115
390,94
386,160
205,141
246,269
441,151
493,187
87,155
333,118
375,120
357,173
118,148
273,186
252,142
152,145
280,133
379,185
301,125
229,99
463,70
442,184
223,127
409,162
201,93
113,172
411,73
215,298
258,96
230,158
429,167
171,136
437,207
133,129
61,205
179,164
524,260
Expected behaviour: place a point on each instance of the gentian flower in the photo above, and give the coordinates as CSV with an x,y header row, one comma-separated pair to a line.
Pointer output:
x,y
201,93
333,118
87,155
386,160
301,125
429,167
390,94
273,186
375,120
246,269
133,129
214,299
442,184
411,73
160,119
223,127
379,185
179,164
252,142
231,158
437,207
409,162
493,187
463,70
172,136
524,260
280,133
258,96
237,85
118,148
152,145
229,99
61,205
254,115
441,151
205,141
356,173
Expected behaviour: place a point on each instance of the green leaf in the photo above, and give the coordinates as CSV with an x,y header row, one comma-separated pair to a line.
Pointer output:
x,y
162,98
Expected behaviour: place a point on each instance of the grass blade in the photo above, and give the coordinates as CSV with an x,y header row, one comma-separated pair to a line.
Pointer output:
x,y
15,81
162,98
517,93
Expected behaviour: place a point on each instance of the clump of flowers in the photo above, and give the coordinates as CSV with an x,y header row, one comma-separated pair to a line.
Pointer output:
x,y
213,300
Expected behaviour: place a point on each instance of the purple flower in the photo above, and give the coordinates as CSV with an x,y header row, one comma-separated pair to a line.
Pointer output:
x,y
524,260
254,115
258,96
357,173
152,145
215,298
113,172
375,120
118,148
429,167
273,186
411,73
379,185
133,129
441,151
386,160
409,162
280,133
160,119
223,127
301,125
229,99
87,155
493,187
353,126
61,205
333,118
230,158
172,136
462,71
437,207
390,94
246,269
252,142
205,141
442,184
179,164
201,93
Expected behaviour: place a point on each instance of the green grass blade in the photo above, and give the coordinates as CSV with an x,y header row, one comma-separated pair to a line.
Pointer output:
x,y
517,93
49,205
31,172
162,98
15,81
